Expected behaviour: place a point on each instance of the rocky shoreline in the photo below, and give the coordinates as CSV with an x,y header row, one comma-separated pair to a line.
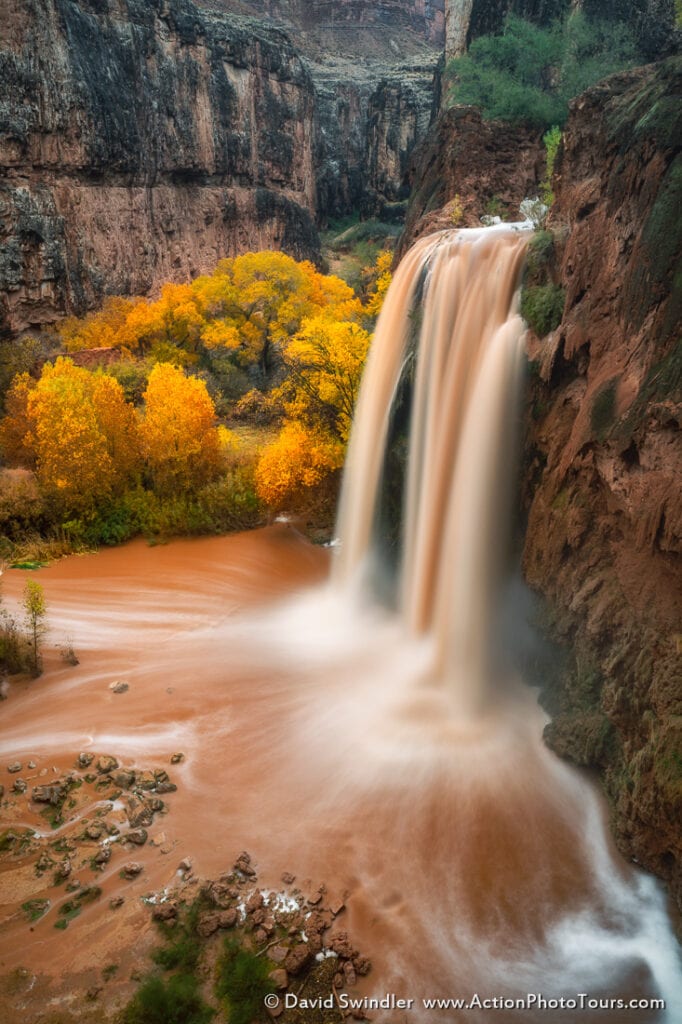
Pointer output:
x,y
104,821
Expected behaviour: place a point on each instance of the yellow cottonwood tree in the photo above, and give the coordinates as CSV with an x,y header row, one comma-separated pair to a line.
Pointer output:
x,y
256,302
83,435
300,457
107,328
325,360
379,279
180,440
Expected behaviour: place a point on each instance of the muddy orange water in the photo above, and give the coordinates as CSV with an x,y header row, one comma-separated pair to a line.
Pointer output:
x,y
472,860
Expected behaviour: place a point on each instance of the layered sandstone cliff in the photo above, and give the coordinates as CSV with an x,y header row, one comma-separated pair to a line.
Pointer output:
x,y
142,142
604,535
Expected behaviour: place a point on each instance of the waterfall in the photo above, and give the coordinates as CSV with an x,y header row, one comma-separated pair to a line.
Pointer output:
x,y
437,410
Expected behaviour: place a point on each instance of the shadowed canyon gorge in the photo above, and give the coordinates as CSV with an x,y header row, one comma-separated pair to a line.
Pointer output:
x,y
450,739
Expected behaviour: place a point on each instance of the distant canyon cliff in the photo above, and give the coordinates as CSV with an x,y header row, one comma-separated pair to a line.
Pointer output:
x,y
142,141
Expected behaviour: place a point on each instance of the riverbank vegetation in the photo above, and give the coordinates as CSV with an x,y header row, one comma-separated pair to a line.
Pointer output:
x,y
21,642
530,73
196,412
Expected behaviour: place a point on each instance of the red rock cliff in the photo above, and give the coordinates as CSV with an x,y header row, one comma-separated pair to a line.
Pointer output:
x,y
604,535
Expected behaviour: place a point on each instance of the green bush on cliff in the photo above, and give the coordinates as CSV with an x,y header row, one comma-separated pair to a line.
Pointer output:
x,y
542,307
529,73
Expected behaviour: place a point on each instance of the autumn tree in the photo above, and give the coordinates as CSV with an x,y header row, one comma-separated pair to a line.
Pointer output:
x,y
180,440
254,303
107,328
378,279
83,436
325,360
300,457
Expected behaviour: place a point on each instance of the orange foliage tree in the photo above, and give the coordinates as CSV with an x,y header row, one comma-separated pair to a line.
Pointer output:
x,y
300,457
83,436
253,303
180,440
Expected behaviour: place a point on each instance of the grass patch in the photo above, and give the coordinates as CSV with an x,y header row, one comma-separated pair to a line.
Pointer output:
x,y
72,908
34,909
183,944
173,1001
242,982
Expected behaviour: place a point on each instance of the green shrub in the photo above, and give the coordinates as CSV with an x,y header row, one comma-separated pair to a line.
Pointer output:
x,y
539,255
175,1001
542,307
183,946
242,982
530,73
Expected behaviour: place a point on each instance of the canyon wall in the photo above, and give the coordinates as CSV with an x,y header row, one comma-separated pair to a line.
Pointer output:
x,y
466,167
604,456
140,142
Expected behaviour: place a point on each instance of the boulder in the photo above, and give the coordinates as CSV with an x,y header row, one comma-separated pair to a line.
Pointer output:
x,y
341,945
279,978
123,778
243,864
132,869
297,958
228,918
105,764
49,794
208,924
165,911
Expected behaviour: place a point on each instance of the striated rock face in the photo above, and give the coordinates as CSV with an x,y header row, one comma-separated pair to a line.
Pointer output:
x,y
372,64
364,27
489,166
142,142
366,134
604,535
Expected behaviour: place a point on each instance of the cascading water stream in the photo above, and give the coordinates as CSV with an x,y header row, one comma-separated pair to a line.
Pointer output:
x,y
448,345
